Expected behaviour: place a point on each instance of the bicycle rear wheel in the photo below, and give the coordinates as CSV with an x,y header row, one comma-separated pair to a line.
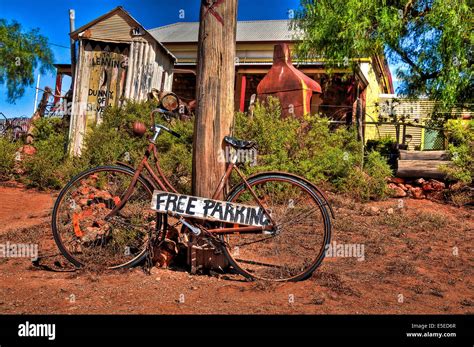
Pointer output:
x,y
81,231
296,246
3,124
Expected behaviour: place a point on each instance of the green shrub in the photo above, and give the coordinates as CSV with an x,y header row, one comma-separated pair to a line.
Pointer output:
x,y
385,146
7,158
176,155
310,148
369,182
307,146
113,140
325,154
460,135
50,143
274,135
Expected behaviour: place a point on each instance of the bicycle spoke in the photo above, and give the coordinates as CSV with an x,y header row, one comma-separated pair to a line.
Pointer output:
x,y
298,239
87,236
259,263
252,242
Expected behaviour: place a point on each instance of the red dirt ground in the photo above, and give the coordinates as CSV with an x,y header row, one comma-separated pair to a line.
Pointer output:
x,y
417,260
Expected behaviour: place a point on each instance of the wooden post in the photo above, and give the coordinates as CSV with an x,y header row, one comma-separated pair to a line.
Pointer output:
x,y
360,130
359,120
215,92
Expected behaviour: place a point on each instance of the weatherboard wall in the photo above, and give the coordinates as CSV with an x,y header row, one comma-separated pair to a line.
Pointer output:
x,y
117,60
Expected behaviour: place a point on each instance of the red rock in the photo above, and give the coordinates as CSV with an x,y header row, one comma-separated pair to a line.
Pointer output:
x,y
396,191
433,185
419,181
27,150
83,202
436,195
417,193
437,185
104,195
84,190
397,180
116,200
86,212
402,186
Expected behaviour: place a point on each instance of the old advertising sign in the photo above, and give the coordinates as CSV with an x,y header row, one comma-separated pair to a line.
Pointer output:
x,y
203,208
107,65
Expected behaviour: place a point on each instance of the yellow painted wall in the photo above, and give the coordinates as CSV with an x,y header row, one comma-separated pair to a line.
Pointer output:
x,y
372,97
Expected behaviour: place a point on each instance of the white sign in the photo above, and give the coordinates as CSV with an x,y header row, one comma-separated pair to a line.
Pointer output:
x,y
208,209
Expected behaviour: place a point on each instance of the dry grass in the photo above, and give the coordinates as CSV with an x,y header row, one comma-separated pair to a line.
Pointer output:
x,y
401,220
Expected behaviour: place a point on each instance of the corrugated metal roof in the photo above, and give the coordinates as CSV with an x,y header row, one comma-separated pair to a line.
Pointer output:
x,y
247,31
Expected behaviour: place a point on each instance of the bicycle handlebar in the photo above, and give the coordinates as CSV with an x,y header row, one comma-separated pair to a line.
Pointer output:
x,y
167,115
174,133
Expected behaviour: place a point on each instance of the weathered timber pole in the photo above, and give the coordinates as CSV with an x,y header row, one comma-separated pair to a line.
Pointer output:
x,y
215,92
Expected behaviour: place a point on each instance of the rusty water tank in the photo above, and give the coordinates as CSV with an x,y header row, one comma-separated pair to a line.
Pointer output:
x,y
292,87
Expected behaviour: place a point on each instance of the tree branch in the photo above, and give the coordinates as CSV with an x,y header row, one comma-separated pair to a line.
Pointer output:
x,y
404,55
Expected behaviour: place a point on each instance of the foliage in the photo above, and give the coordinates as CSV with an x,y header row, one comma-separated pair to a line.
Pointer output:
x,y
431,40
113,140
460,134
50,143
274,135
310,148
7,158
307,147
20,54
369,182
385,146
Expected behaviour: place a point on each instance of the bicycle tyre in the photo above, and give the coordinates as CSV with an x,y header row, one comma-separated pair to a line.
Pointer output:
x,y
242,266
139,257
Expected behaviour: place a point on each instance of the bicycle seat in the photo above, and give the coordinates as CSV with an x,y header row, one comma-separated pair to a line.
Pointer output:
x,y
239,144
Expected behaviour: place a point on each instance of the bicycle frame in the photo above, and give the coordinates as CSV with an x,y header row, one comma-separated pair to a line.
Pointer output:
x,y
159,180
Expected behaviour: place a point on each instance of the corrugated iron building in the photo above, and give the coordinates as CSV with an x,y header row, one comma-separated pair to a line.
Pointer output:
x,y
117,59
255,41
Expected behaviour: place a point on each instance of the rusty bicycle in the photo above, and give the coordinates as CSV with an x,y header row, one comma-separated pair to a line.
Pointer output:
x,y
270,225
13,129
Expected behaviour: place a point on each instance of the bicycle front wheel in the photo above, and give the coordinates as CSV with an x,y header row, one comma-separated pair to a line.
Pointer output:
x,y
83,234
296,246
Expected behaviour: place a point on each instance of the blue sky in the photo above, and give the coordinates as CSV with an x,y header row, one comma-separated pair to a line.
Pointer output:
x,y
51,17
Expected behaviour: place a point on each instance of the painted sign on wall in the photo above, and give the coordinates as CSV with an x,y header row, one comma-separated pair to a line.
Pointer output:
x,y
107,64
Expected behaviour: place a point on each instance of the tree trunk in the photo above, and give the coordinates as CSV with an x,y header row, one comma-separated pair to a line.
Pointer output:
x,y
215,92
